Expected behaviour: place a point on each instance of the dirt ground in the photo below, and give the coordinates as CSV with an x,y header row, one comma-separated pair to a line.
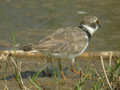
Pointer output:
x,y
47,79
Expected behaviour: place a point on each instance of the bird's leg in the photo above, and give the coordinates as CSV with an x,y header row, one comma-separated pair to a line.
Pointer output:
x,y
73,69
61,69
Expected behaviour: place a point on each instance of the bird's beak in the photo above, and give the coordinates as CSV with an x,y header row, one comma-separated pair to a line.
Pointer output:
x,y
99,25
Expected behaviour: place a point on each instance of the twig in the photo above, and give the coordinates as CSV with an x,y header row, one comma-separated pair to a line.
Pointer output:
x,y
42,57
5,84
18,70
102,63
110,59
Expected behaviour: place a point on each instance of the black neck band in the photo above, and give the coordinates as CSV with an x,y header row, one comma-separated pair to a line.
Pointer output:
x,y
84,29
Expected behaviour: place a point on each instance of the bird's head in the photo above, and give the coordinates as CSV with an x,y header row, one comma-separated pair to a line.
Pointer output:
x,y
90,24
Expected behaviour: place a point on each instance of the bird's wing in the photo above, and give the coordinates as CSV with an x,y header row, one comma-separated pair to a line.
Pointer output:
x,y
66,40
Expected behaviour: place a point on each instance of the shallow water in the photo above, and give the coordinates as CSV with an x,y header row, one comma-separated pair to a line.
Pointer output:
x,y
31,20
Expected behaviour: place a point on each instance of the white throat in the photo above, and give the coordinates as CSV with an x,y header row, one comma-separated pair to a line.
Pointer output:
x,y
90,29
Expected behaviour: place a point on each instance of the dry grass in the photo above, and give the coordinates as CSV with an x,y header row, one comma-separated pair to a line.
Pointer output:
x,y
108,78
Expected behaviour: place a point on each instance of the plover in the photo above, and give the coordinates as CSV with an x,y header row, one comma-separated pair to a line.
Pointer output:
x,y
69,42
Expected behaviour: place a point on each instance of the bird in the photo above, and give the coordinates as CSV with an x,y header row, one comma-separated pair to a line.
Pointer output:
x,y
68,42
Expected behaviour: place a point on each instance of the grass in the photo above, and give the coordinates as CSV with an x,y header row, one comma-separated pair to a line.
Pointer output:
x,y
108,79
14,40
81,83
35,77
35,84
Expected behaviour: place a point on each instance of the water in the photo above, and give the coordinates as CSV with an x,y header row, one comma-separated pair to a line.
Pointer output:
x,y
31,20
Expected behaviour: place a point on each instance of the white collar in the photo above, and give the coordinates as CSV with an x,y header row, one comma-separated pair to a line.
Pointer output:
x,y
90,29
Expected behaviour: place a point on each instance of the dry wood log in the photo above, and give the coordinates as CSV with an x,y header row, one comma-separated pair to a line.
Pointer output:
x,y
86,55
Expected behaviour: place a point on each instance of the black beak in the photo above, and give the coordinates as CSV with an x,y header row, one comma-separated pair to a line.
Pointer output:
x,y
99,25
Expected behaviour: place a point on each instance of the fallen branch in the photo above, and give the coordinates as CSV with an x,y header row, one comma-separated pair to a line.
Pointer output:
x,y
86,55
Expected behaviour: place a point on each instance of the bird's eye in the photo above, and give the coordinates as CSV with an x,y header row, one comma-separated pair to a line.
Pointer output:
x,y
97,22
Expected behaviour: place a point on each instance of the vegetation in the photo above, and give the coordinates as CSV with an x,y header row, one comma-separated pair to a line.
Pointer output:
x,y
107,79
